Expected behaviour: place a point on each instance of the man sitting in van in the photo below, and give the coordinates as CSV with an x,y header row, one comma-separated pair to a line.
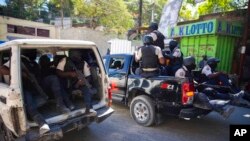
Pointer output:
x,y
67,68
48,73
27,60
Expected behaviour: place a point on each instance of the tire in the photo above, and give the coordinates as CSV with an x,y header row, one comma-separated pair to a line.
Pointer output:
x,y
5,133
142,110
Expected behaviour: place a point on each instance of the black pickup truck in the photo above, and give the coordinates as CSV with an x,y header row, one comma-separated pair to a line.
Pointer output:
x,y
151,97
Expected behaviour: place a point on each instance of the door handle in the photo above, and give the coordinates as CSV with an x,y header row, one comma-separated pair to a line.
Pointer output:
x,y
3,99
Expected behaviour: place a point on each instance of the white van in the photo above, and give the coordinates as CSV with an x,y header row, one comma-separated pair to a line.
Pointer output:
x,y
15,123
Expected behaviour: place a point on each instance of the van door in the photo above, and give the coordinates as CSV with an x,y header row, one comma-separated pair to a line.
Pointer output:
x,y
5,90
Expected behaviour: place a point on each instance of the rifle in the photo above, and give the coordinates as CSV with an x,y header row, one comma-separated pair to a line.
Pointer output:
x,y
33,81
80,76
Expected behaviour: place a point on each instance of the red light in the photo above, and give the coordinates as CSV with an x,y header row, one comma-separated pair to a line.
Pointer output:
x,y
113,86
187,92
109,97
164,86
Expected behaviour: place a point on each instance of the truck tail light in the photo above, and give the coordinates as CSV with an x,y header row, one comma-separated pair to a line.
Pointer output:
x,y
164,85
187,93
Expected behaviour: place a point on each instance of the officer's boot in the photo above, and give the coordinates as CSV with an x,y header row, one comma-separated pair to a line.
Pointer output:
x,y
226,112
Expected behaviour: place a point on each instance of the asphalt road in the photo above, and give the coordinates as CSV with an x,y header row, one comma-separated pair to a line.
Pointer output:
x,y
120,127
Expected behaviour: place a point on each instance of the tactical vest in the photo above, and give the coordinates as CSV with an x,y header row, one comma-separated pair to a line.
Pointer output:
x,y
160,39
187,73
149,58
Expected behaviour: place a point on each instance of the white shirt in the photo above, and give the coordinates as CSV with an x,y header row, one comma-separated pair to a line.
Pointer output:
x,y
206,70
181,72
153,35
177,52
85,70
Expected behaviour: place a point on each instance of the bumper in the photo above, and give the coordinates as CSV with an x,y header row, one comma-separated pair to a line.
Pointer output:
x,y
78,123
103,113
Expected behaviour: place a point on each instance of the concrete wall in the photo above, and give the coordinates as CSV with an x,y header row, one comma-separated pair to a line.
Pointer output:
x,y
82,33
19,22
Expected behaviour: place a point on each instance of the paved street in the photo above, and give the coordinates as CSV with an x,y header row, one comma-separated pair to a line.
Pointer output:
x,y
120,127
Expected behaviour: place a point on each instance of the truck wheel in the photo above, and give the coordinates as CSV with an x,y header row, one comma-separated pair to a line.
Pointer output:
x,y
5,133
142,110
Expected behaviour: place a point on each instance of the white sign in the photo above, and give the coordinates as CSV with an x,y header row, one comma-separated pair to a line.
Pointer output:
x,y
169,16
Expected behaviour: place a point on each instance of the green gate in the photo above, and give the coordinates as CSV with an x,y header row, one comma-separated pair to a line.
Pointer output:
x,y
213,38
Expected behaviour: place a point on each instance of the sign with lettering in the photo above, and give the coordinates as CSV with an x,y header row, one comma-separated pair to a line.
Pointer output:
x,y
206,27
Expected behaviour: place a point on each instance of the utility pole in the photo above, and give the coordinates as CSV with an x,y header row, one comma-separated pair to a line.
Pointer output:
x,y
140,14
153,11
61,11
140,18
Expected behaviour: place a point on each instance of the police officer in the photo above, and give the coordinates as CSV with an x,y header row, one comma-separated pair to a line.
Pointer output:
x,y
150,56
187,67
213,76
66,69
158,37
220,78
201,100
175,58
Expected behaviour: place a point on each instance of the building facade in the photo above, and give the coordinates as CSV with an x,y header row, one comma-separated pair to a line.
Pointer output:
x,y
13,28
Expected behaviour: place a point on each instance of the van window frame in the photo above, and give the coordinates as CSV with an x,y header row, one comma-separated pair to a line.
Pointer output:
x,y
8,50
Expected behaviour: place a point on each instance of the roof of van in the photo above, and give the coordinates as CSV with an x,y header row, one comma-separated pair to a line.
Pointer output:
x,y
47,42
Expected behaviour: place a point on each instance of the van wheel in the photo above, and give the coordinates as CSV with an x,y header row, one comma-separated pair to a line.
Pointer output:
x,y
5,133
142,110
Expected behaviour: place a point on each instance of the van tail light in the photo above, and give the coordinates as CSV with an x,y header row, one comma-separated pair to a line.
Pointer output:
x,y
108,94
187,93
109,97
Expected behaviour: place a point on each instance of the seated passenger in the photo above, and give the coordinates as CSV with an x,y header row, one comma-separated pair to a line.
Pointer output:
x,y
48,73
67,68
117,65
201,100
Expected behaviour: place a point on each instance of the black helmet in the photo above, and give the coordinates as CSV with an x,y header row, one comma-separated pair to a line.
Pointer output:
x,y
153,26
44,61
212,62
189,63
75,55
30,53
147,40
172,44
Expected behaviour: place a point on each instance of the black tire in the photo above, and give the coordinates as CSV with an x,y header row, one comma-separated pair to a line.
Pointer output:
x,y
142,110
5,133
